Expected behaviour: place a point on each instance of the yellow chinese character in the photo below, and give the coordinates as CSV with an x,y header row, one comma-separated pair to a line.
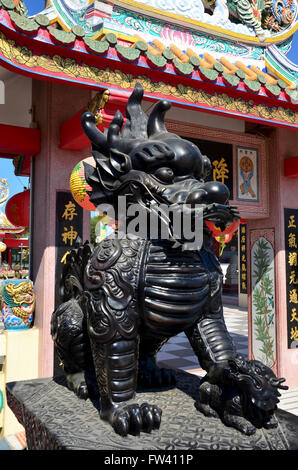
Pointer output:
x,y
292,240
292,260
293,296
63,259
294,315
70,211
243,276
243,229
292,278
292,221
294,333
70,235
243,239
243,267
243,258
220,171
243,247
243,285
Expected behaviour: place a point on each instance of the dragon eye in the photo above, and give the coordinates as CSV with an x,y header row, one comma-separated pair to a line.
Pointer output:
x,y
164,174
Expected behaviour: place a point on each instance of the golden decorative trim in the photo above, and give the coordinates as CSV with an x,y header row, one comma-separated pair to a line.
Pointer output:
x,y
23,56
124,37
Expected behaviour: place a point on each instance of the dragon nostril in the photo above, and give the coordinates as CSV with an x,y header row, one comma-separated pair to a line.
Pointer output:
x,y
196,197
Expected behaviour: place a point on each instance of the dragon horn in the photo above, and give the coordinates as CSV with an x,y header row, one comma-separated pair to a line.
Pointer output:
x,y
115,128
135,99
136,119
89,126
156,119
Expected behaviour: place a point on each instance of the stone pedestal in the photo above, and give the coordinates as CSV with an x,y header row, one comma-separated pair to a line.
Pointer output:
x,y
54,418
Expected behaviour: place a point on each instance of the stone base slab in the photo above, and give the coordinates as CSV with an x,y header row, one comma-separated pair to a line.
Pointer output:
x,y
54,418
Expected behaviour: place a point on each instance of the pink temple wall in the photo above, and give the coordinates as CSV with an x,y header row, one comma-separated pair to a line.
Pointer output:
x,y
283,193
287,148
54,104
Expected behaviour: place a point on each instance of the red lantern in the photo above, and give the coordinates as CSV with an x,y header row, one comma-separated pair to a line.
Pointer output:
x,y
17,209
229,230
223,237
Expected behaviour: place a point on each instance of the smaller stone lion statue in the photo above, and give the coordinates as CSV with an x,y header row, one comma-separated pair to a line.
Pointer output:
x,y
247,398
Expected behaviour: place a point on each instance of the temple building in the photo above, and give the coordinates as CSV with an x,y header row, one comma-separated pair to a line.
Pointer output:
x,y
223,66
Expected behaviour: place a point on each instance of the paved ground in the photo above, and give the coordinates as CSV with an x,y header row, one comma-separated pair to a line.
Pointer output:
x,y
177,353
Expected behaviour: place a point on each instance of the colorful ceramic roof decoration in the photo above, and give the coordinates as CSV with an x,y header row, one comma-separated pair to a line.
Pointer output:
x,y
226,57
4,190
6,227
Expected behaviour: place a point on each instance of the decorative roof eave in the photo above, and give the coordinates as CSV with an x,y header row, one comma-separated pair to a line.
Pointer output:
x,y
262,38
205,27
282,67
7,228
41,50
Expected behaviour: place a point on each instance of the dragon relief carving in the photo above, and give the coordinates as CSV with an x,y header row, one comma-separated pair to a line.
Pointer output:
x,y
20,298
264,16
124,298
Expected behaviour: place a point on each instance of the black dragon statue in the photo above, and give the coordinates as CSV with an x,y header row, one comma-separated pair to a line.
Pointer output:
x,y
124,298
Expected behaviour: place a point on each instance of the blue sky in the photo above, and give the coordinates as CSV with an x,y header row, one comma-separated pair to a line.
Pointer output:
x,y
34,6
16,183
293,53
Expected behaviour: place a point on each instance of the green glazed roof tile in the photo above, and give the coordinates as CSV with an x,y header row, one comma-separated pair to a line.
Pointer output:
x,y
209,74
293,94
240,74
262,79
184,68
195,61
282,84
252,85
168,54
111,38
8,4
157,60
273,89
218,67
129,53
231,80
142,46
64,37
23,23
100,47
42,20
78,31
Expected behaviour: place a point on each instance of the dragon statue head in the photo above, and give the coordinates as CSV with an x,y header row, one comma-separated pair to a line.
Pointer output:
x,y
148,164
258,385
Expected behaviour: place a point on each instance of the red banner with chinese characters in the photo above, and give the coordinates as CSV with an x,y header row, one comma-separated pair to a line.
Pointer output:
x,y
69,217
291,251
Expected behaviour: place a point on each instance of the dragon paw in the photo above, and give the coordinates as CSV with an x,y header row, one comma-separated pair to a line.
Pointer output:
x,y
239,423
133,418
